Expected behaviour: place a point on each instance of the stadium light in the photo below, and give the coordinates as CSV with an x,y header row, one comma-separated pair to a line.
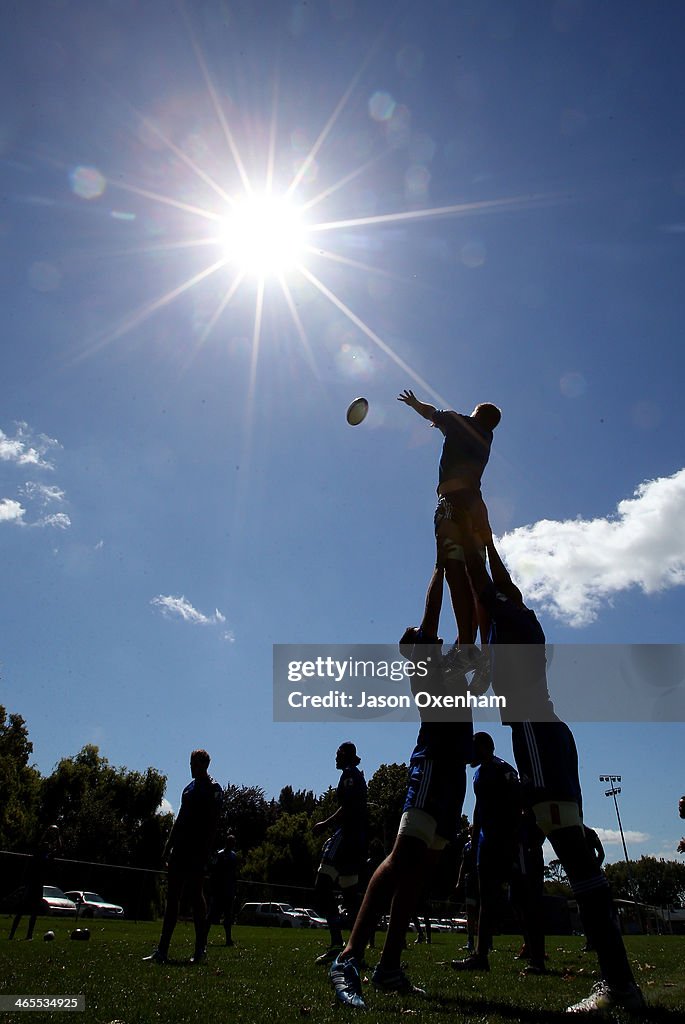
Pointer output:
x,y
614,791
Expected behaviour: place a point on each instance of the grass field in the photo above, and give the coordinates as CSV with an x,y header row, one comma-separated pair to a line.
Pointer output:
x,y
269,976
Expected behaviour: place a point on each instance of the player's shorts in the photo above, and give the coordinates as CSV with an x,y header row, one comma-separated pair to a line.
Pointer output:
x,y
187,862
343,857
435,796
552,815
547,762
449,517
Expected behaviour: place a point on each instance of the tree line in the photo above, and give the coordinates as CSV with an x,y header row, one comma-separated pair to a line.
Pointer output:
x,y
110,815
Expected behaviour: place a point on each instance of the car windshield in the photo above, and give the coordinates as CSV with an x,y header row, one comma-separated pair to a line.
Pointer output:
x,y
92,897
53,892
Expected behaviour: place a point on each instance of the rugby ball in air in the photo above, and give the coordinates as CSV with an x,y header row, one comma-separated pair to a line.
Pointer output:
x,y
357,411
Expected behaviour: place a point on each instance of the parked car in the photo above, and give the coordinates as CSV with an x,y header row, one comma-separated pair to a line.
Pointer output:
x,y
56,902
317,921
92,905
281,915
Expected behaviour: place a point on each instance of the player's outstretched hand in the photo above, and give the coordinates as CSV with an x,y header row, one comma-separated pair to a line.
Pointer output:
x,y
408,397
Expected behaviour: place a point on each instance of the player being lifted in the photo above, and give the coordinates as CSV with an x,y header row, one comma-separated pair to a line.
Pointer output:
x,y
465,453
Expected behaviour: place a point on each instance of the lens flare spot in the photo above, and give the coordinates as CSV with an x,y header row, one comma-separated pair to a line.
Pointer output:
x,y
381,106
573,385
473,253
398,128
646,415
87,182
306,169
354,361
416,182
422,148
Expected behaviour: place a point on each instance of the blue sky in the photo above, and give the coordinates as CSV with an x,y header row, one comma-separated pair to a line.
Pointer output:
x,y
494,204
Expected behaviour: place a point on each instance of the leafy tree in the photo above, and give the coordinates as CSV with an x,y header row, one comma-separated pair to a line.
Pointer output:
x,y
554,871
289,854
247,813
292,802
387,793
19,785
656,882
106,813
326,805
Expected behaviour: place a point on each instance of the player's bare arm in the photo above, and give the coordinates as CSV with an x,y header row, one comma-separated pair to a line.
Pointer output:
x,y
321,826
410,399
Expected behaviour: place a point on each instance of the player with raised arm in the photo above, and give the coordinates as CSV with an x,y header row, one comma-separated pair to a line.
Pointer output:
x,y
465,454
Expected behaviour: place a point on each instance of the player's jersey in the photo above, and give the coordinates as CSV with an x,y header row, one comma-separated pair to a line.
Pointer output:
x,y
451,739
197,819
497,813
39,867
351,793
466,448
518,660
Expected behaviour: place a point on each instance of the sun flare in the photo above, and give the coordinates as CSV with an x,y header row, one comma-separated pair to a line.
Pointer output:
x,y
263,235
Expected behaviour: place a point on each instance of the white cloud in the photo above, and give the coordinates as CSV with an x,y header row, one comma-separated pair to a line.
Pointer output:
x,y
570,568
612,835
11,511
25,450
42,492
165,807
59,520
179,607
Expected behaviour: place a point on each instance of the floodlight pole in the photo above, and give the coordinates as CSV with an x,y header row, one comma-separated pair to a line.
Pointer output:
x,y
614,791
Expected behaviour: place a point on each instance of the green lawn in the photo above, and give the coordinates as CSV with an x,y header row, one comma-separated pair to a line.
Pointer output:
x,y
269,976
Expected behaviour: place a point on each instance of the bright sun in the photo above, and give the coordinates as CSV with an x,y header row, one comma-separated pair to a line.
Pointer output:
x,y
264,235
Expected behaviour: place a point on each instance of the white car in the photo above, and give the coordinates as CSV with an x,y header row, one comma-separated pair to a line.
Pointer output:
x,y
282,915
317,921
90,904
56,902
